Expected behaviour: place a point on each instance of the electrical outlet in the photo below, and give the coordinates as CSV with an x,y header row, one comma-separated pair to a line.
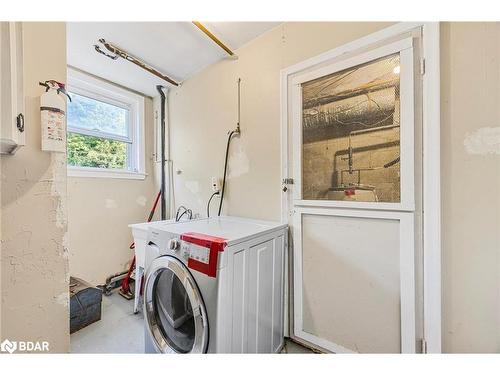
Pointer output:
x,y
215,184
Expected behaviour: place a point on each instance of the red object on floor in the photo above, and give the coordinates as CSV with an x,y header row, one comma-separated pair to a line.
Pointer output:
x,y
125,287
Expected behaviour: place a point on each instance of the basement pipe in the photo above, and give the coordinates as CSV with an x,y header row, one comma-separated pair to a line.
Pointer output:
x,y
364,131
163,205
361,90
118,52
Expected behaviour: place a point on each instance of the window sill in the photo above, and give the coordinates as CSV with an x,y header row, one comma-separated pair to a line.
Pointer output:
x,y
104,173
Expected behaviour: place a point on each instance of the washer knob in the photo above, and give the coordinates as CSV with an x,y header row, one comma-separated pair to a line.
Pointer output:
x,y
174,244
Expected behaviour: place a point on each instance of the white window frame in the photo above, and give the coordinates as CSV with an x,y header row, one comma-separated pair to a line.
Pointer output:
x,y
94,88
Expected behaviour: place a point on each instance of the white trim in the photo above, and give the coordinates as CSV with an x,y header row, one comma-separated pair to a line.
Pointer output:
x,y
407,282
284,144
94,88
99,134
284,203
407,273
432,188
431,150
384,206
297,145
407,128
376,37
322,343
362,58
104,173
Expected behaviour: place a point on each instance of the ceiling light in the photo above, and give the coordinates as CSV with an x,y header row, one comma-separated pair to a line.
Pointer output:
x,y
397,69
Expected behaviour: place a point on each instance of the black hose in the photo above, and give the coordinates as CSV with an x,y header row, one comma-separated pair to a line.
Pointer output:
x,y
187,211
178,212
180,217
210,200
225,170
391,163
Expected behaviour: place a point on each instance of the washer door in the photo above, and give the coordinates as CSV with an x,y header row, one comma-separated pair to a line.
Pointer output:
x,y
175,313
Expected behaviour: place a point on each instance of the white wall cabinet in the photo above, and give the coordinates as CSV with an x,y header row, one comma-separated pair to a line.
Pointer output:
x,y
12,127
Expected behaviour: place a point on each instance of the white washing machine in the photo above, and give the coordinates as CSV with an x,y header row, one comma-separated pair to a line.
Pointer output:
x,y
215,286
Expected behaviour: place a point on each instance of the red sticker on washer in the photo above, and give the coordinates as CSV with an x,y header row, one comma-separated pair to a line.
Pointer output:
x,y
213,244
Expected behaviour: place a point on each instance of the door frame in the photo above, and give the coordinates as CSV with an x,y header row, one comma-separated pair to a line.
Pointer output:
x,y
431,168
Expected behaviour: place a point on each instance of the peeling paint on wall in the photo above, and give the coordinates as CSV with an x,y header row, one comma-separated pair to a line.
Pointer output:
x,y
58,187
238,163
34,263
65,242
63,299
483,141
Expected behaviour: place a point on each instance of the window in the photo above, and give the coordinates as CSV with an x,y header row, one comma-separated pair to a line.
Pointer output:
x,y
105,129
351,133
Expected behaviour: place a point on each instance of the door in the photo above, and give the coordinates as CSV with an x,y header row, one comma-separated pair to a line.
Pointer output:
x,y
175,314
354,200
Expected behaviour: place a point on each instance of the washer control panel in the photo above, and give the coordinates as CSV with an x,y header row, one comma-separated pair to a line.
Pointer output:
x,y
185,249
174,244
196,252
202,251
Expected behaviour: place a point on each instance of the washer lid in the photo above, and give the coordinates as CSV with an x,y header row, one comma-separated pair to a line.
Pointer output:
x,y
232,229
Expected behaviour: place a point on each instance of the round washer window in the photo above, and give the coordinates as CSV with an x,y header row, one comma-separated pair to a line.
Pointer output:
x,y
174,312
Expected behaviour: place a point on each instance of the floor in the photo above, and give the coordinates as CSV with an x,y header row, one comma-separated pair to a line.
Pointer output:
x,y
121,331
294,348
118,331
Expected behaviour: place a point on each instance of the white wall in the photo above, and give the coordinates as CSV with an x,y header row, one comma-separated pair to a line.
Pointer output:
x,y
470,123
34,258
99,212
203,109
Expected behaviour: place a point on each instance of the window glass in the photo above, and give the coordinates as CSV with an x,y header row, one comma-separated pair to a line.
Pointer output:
x,y
174,312
350,134
88,151
94,115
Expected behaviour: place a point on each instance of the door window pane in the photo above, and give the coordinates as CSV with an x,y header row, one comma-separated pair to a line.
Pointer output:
x,y
350,134
174,312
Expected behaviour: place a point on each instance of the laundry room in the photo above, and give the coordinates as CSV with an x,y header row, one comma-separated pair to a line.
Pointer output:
x,y
258,186
106,183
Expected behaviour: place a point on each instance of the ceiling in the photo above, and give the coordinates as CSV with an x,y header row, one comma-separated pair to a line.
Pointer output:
x,y
177,49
